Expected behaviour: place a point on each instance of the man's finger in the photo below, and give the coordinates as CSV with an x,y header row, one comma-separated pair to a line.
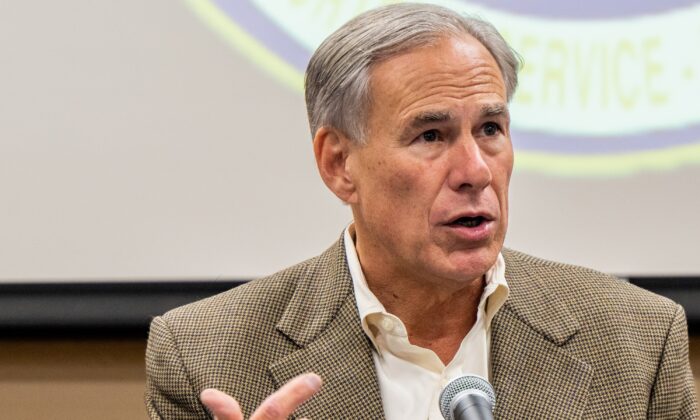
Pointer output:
x,y
221,405
282,403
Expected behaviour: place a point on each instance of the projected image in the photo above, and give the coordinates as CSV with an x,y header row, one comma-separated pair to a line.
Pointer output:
x,y
605,90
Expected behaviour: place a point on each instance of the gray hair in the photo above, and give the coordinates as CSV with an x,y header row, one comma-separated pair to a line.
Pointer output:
x,y
337,82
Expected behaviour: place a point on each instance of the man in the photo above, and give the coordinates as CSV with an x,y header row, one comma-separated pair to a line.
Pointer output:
x,y
408,106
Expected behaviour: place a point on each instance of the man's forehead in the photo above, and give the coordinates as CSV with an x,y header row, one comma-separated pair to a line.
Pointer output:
x,y
447,82
443,49
457,62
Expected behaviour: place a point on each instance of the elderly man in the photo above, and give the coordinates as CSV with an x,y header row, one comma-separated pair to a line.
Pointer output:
x,y
408,106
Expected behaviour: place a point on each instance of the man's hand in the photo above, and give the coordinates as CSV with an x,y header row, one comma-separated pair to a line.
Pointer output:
x,y
277,406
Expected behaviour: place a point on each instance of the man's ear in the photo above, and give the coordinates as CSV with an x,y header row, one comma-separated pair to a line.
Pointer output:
x,y
332,149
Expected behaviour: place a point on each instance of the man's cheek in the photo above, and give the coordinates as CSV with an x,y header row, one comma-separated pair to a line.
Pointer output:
x,y
402,186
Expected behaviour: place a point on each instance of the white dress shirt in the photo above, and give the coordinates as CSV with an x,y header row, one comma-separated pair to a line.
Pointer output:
x,y
411,377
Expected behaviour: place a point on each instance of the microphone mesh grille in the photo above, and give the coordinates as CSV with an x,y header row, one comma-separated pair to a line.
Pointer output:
x,y
460,384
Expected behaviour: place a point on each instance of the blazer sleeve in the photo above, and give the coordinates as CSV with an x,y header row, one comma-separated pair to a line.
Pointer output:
x,y
673,395
169,390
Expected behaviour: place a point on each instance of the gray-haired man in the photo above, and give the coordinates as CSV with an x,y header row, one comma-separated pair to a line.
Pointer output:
x,y
408,105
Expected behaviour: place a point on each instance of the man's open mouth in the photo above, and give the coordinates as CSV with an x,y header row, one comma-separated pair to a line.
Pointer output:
x,y
469,222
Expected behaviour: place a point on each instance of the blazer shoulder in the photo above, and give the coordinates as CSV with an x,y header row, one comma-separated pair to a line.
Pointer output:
x,y
587,290
261,303
259,299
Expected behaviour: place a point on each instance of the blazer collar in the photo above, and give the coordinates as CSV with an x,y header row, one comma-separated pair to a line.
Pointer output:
x,y
322,320
533,373
322,290
530,299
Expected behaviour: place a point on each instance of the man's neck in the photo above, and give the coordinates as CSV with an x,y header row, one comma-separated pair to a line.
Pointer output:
x,y
437,313
434,319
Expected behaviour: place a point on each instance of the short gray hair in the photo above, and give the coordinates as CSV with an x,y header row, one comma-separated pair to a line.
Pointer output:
x,y
337,81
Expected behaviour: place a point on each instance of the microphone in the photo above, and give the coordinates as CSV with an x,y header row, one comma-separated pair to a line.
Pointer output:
x,y
467,397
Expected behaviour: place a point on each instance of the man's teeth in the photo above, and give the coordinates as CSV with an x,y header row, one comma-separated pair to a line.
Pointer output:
x,y
469,221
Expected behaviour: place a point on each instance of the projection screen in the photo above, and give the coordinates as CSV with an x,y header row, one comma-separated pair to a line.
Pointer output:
x,y
163,139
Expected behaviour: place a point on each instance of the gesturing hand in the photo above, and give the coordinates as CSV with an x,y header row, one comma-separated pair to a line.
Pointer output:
x,y
277,406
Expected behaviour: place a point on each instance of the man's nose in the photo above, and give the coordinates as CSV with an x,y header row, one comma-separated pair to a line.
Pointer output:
x,y
468,168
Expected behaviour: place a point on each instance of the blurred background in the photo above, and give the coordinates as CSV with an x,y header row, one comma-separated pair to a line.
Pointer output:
x,y
156,152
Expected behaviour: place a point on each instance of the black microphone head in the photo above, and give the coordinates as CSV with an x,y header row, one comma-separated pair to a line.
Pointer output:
x,y
464,383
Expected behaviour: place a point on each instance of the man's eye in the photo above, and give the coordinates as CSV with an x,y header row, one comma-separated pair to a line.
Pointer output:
x,y
491,129
430,136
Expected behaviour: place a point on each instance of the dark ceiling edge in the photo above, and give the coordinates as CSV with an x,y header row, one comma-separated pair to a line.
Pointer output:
x,y
124,309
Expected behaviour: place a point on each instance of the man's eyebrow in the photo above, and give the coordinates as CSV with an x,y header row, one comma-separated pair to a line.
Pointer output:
x,y
430,117
495,110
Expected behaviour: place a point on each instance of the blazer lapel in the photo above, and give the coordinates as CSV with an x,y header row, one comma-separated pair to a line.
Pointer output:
x,y
533,373
322,320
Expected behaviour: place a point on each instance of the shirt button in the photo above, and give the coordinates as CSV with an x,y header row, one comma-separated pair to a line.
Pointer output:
x,y
387,324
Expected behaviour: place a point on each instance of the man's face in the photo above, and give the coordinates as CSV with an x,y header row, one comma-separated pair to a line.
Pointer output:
x,y
431,184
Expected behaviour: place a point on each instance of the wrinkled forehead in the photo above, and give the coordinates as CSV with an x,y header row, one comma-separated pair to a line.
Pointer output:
x,y
457,67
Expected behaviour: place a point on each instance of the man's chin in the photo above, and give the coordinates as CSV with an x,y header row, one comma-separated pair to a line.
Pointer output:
x,y
473,263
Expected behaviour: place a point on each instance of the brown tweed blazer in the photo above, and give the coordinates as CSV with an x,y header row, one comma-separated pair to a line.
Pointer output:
x,y
569,343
